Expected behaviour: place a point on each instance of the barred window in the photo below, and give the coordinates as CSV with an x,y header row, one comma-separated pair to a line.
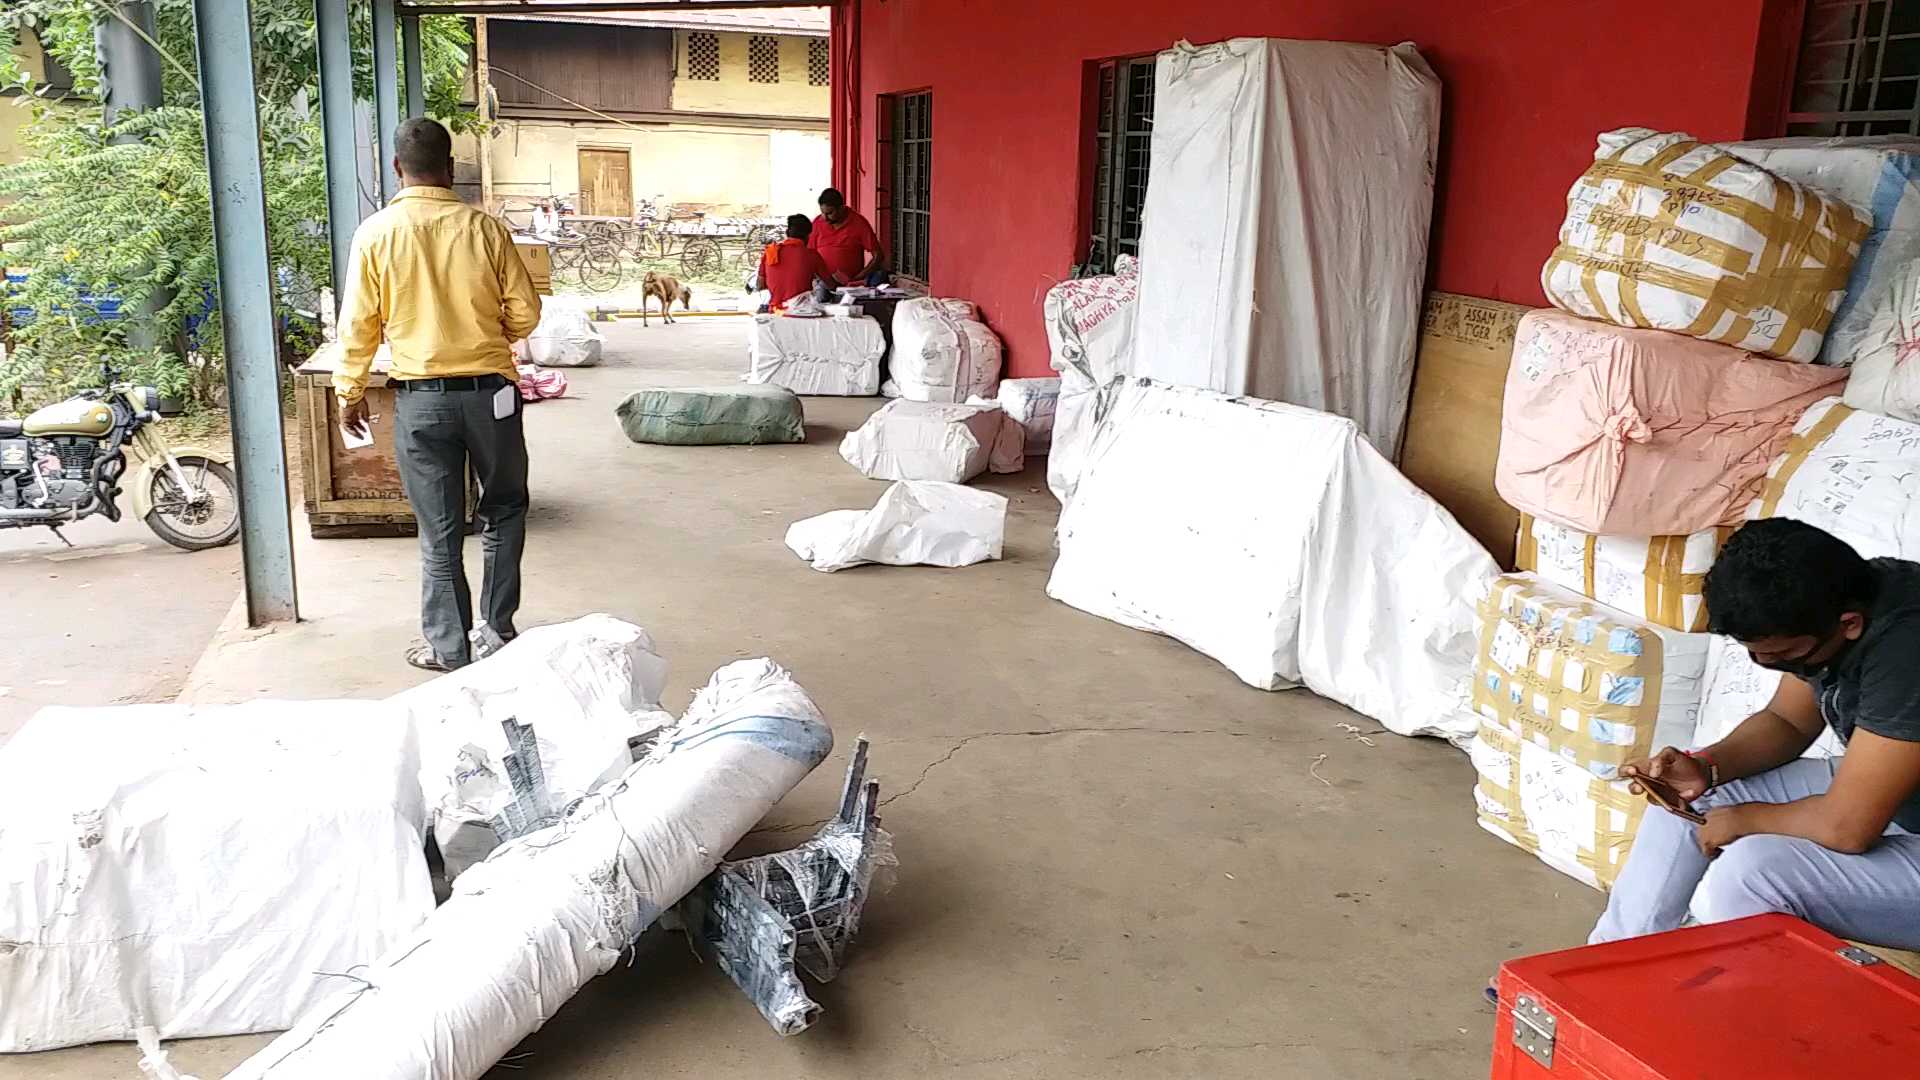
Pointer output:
x,y
819,67
906,147
1122,143
763,59
1858,71
703,56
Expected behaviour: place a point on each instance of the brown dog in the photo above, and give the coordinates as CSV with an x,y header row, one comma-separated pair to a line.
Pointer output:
x,y
668,289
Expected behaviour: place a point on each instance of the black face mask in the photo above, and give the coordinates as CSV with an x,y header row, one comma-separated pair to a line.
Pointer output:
x,y
1807,669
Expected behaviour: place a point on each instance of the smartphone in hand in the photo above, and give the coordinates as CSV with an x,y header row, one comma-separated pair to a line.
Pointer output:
x,y
1661,794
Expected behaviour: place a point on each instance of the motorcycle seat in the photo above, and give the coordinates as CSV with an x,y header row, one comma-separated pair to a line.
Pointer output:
x,y
11,428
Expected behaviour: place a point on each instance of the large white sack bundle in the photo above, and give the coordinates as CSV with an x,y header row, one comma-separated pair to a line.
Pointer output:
x,y
1090,324
925,440
1279,542
549,911
1074,417
1886,361
1032,403
1856,475
1283,252
195,870
823,356
942,352
916,523
1664,232
1567,691
1877,173
565,336
585,687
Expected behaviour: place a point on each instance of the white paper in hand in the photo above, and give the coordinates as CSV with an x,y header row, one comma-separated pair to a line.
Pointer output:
x,y
356,442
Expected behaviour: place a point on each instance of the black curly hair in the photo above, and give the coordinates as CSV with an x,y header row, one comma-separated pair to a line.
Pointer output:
x,y
1778,577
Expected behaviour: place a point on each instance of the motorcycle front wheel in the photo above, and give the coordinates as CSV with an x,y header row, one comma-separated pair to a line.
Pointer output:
x,y
195,526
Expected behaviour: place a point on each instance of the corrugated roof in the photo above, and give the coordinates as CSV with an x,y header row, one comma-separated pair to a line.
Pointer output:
x,y
801,21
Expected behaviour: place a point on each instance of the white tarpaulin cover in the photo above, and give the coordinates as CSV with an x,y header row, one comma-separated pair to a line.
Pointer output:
x,y
1284,249
565,337
193,869
585,687
549,911
916,523
825,356
1279,542
1031,404
1886,362
1852,473
926,440
942,352
1878,173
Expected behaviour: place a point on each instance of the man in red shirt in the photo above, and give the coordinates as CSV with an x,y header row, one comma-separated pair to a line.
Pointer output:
x,y
787,269
846,241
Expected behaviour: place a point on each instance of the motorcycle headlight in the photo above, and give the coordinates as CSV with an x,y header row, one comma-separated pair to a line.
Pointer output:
x,y
147,398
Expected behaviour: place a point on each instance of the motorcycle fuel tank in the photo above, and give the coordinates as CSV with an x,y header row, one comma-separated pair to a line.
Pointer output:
x,y
75,417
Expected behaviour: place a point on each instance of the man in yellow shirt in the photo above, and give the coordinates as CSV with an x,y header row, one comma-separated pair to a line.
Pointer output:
x,y
441,283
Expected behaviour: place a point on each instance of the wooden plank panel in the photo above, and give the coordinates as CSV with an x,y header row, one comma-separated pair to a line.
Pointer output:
x,y
606,183
1453,424
616,68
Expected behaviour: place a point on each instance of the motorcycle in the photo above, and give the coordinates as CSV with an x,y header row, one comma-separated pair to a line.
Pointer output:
x,y
65,462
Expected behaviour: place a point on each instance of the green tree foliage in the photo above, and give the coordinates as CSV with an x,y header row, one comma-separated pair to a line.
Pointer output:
x,y
89,218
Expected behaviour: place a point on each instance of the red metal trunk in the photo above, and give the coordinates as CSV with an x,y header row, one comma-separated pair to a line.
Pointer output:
x,y
1766,998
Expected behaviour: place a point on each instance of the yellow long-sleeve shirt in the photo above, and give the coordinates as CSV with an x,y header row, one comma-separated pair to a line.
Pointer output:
x,y
441,283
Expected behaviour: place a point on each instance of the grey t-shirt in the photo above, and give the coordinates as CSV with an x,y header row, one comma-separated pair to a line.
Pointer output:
x,y
1876,685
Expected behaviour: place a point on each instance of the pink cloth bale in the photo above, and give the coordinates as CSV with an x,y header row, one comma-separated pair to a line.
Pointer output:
x,y
1623,432
538,383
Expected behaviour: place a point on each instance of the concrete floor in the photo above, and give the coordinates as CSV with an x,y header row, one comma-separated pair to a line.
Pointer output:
x,y
1116,859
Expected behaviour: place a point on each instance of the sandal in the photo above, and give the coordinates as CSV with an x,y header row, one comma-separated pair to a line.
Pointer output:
x,y
421,655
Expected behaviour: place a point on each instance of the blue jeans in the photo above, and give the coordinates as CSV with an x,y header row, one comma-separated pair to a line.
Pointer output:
x,y
1873,897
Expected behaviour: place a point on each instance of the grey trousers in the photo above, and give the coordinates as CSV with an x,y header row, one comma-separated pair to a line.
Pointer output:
x,y
438,435
1872,897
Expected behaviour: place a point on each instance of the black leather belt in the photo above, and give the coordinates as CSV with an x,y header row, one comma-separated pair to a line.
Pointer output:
x,y
461,382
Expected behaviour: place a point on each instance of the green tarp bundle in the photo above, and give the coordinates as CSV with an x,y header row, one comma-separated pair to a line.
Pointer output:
x,y
708,416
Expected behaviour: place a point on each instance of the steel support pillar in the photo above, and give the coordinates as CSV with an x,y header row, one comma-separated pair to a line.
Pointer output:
x,y
416,79
336,120
130,83
223,37
386,93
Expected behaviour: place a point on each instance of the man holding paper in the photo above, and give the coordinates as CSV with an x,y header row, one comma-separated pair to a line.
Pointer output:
x,y
441,283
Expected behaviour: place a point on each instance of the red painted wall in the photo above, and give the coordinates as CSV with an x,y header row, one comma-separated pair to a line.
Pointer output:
x,y
1526,84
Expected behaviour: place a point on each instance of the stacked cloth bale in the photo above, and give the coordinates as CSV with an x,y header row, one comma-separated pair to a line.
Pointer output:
x,y
1641,421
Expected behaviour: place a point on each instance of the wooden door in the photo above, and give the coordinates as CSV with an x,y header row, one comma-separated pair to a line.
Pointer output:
x,y
606,184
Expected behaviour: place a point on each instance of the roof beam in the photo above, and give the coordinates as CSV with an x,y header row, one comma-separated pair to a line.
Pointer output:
x,y
510,8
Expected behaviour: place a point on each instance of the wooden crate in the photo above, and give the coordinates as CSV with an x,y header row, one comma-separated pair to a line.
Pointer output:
x,y
350,493
1453,424
539,260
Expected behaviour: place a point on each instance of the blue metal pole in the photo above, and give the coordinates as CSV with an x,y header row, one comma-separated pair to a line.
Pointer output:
x,y
386,93
223,36
416,80
336,120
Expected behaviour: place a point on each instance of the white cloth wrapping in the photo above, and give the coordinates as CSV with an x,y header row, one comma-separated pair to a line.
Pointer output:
x,y
192,869
1031,403
1284,247
565,337
585,686
1090,324
547,912
1886,359
926,440
916,523
1878,173
824,356
1854,474
1279,542
942,352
